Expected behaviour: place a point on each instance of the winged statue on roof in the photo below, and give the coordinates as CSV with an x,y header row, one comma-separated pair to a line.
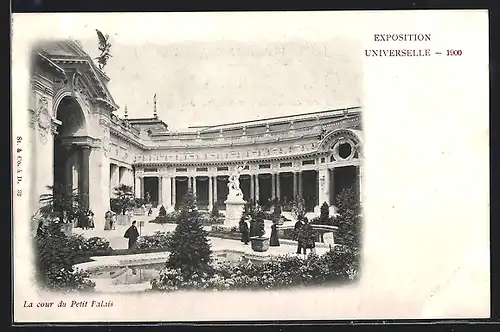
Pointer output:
x,y
105,48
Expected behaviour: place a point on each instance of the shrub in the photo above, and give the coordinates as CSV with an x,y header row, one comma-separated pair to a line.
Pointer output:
x,y
139,202
340,264
154,241
124,199
348,219
257,216
189,248
324,215
56,254
298,208
162,212
215,211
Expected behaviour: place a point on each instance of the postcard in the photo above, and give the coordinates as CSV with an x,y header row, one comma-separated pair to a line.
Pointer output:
x,y
243,166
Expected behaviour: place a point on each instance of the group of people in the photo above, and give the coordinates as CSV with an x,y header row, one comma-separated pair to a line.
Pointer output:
x,y
110,220
245,232
84,219
304,235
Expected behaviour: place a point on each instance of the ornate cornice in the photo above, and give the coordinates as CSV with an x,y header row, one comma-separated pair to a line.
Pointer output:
x,y
42,85
81,141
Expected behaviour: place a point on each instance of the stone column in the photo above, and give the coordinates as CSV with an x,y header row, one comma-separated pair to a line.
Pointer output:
x,y
300,193
331,186
75,170
99,185
216,197
166,186
273,185
252,187
210,193
174,191
190,187
84,176
294,184
68,170
257,191
137,187
114,178
160,189
278,185
194,185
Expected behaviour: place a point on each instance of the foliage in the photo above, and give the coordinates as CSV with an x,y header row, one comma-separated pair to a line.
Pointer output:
x,y
254,212
56,254
153,241
162,212
124,198
139,202
324,214
340,264
215,211
205,218
277,211
189,248
61,202
348,219
298,207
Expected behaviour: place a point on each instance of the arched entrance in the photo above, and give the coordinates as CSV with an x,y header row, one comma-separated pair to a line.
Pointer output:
x,y
71,153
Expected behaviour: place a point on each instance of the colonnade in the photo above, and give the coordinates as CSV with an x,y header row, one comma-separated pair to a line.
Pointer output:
x,y
314,185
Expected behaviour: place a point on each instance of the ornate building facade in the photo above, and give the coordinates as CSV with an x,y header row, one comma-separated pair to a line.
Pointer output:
x,y
78,142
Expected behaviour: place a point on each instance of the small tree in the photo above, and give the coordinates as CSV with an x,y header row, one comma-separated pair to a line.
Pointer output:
x,y
215,211
61,202
124,198
162,212
348,219
189,248
324,214
257,221
277,211
298,207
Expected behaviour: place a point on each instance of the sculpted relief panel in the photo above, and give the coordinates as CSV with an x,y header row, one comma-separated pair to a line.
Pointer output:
x,y
209,155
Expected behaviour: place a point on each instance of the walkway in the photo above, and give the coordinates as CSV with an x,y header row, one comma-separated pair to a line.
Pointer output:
x,y
117,241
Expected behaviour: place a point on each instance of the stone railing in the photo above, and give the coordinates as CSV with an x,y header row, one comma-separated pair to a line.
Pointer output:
x,y
172,140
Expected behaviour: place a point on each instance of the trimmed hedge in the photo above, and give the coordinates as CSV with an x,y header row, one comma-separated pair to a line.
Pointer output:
x,y
338,265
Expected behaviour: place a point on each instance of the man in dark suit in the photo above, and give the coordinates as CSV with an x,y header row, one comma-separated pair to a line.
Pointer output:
x,y
131,234
298,226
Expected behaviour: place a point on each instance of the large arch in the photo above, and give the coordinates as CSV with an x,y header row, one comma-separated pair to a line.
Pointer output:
x,y
71,157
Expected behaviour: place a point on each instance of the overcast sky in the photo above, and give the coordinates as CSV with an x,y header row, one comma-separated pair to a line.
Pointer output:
x,y
216,81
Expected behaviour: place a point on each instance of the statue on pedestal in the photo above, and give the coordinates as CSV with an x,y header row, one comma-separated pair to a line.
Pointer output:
x,y
234,183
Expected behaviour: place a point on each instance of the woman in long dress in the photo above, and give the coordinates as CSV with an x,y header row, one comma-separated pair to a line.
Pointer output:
x,y
91,219
245,231
107,223
274,240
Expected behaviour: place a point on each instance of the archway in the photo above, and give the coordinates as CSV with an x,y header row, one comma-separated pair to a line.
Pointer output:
x,y
71,172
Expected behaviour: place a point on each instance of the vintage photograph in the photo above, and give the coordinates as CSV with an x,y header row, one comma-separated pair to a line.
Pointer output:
x,y
250,166
195,165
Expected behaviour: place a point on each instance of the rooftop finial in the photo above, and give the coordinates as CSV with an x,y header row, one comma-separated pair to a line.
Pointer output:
x,y
126,112
154,108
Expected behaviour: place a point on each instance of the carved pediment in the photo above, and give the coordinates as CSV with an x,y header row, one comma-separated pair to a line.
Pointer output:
x,y
81,70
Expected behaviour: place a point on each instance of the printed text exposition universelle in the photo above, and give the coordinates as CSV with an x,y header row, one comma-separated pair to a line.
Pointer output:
x,y
401,52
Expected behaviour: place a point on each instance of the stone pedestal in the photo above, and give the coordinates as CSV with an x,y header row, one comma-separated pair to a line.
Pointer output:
x,y
234,210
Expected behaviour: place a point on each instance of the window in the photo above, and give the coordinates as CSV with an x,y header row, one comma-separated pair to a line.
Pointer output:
x,y
264,166
285,164
308,162
151,170
181,169
345,150
202,169
223,168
